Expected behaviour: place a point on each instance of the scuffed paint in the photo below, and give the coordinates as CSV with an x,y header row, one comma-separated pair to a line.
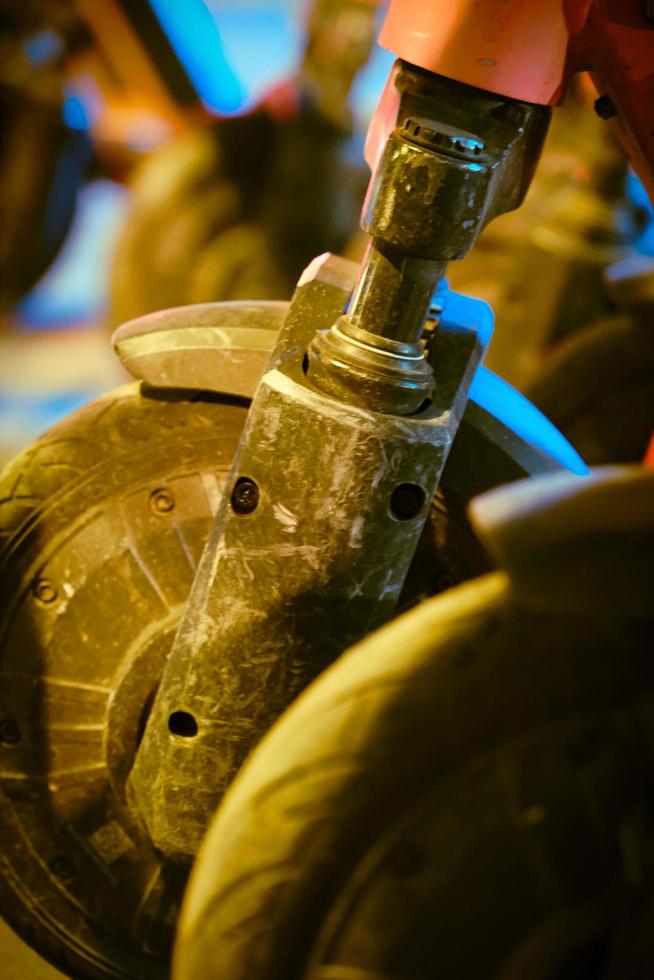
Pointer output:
x,y
285,517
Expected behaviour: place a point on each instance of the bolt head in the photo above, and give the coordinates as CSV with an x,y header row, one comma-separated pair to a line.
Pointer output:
x,y
245,496
44,591
63,867
162,501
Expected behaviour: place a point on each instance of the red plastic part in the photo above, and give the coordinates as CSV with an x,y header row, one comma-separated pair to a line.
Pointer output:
x,y
527,50
517,48
617,45
648,462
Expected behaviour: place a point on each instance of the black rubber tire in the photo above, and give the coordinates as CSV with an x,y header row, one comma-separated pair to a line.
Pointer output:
x,y
179,206
37,214
598,389
105,433
93,460
192,234
235,211
431,695
94,463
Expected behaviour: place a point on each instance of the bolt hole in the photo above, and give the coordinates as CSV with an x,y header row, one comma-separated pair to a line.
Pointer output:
x,y
183,724
406,501
63,867
9,732
605,108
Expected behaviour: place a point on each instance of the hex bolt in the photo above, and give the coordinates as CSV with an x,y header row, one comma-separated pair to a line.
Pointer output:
x,y
245,496
161,501
63,867
44,591
9,732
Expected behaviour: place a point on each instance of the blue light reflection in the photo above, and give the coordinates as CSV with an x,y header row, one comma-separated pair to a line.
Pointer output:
x,y
194,36
512,409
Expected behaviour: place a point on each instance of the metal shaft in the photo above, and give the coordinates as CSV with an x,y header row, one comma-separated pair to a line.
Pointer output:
x,y
393,292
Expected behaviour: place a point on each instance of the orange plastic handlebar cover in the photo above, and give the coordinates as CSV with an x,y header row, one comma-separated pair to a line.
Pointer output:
x,y
517,48
527,49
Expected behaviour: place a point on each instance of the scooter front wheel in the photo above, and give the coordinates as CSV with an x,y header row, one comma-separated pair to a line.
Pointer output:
x,y
102,524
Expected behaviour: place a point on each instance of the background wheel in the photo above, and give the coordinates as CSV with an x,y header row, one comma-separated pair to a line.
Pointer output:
x,y
598,389
102,523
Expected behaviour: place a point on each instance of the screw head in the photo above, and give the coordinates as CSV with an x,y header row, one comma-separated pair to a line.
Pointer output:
x,y
162,501
245,496
9,731
44,591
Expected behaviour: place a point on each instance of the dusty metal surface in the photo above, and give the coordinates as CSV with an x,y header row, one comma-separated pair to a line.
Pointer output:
x,y
455,158
335,500
488,453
